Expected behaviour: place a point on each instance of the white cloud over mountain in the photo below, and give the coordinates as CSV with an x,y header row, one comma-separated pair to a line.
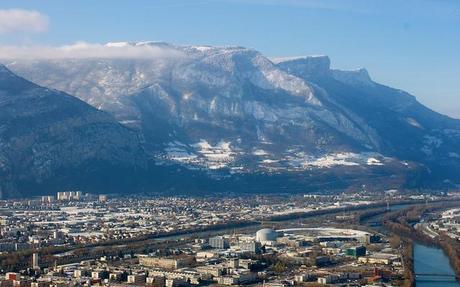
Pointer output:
x,y
81,50
19,20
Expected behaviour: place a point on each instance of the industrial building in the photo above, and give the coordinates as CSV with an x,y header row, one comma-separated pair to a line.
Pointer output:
x,y
266,235
356,251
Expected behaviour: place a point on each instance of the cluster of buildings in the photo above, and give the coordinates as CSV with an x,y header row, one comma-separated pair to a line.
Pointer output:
x,y
267,257
447,222
72,217
285,257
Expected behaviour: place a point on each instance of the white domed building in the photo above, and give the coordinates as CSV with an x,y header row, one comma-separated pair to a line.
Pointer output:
x,y
266,235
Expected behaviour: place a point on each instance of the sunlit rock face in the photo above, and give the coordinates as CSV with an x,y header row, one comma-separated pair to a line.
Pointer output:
x,y
232,108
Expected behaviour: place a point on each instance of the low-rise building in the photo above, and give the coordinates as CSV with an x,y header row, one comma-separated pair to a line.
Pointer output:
x,y
167,263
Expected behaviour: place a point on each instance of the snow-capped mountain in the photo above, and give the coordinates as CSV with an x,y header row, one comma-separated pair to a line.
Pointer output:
x,y
233,109
403,127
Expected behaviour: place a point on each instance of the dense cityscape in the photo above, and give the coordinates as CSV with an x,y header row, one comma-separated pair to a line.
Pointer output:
x,y
78,239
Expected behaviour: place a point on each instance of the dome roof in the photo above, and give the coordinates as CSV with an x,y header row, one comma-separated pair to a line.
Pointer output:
x,y
266,230
266,234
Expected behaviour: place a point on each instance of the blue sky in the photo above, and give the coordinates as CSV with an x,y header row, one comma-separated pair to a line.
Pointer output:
x,y
409,44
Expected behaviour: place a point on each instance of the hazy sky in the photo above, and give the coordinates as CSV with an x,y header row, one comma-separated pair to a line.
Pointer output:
x,y
413,45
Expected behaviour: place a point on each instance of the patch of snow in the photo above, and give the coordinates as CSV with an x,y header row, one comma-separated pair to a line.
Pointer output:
x,y
333,160
202,145
129,122
414,123
270,161
186,96
300,160
202,48
278,60
373,161
215,157
259,152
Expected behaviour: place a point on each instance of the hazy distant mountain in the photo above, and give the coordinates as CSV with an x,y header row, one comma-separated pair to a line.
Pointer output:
x,y
52,139
234,110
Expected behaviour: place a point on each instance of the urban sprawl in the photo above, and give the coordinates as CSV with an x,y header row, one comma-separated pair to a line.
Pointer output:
x,y
78,239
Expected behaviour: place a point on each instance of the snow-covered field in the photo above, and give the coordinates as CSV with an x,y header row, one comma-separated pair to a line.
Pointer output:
x,y
202,154
225,154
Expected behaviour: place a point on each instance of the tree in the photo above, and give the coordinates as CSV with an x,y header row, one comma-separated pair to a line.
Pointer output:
x,y
279,267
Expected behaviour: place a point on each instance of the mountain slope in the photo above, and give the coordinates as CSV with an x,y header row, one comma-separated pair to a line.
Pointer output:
x,y
407,129
233,109
52,140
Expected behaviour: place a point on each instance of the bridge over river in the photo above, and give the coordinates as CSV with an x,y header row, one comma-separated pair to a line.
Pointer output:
x,y
432,268
436,277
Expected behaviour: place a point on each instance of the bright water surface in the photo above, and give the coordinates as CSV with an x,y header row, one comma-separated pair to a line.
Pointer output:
x,y
429,260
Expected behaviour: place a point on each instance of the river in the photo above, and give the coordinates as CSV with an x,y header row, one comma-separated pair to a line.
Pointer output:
x,y
432,260
427,260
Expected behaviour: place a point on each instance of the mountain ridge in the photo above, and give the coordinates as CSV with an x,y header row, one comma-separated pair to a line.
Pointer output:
x,y
45,132
232,109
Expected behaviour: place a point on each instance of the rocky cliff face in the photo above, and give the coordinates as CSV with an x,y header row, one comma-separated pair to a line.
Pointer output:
x,y
49,136
233,109
405,128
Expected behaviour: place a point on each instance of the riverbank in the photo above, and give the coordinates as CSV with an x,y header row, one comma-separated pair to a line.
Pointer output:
x,y
402,223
